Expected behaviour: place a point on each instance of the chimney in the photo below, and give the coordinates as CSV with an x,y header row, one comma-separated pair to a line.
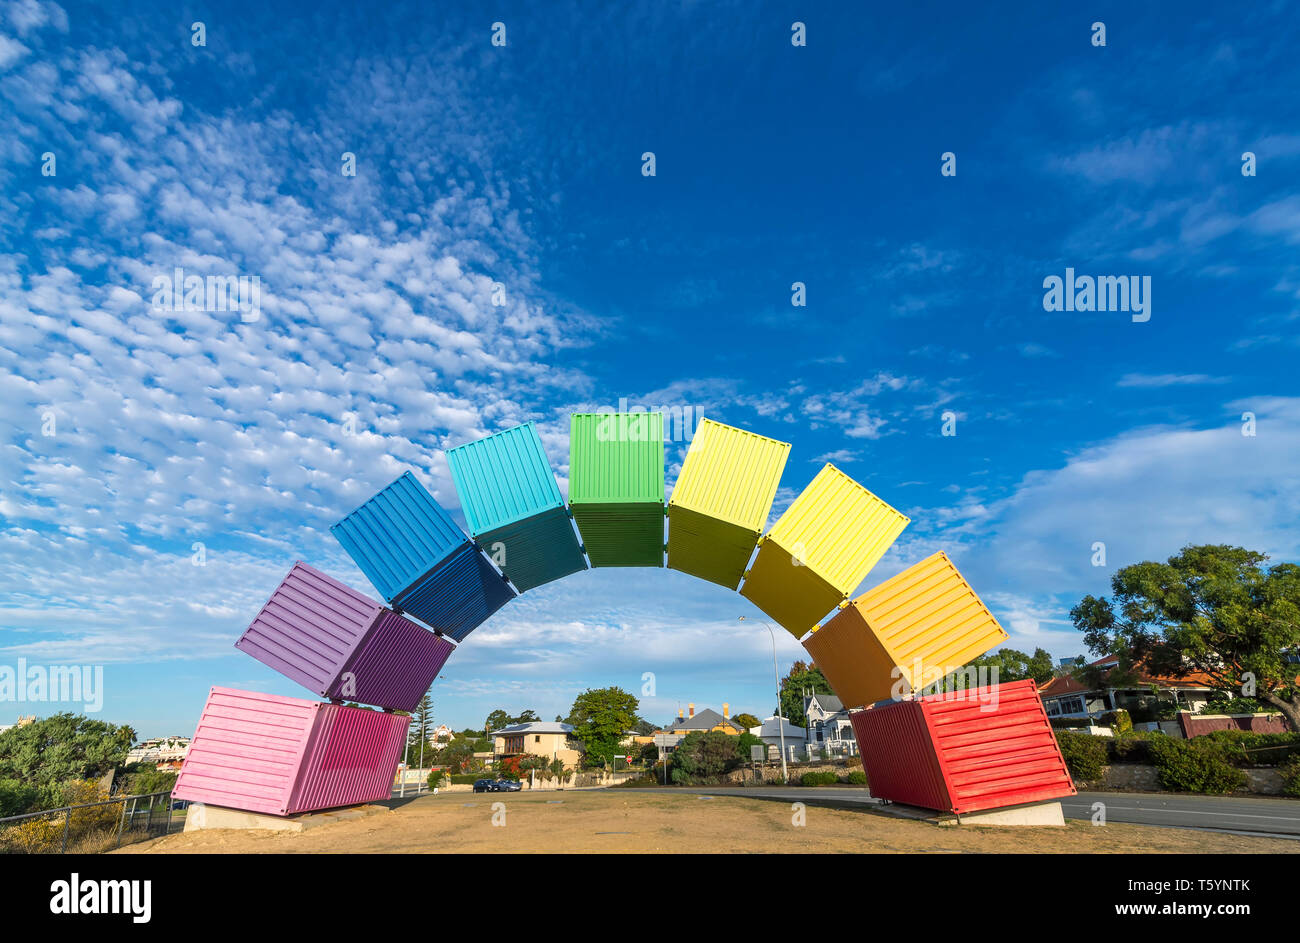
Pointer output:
x,y
692,707
726,711
679,713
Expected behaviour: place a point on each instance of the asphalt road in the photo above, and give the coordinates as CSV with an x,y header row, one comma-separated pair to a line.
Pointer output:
x,y
1276,817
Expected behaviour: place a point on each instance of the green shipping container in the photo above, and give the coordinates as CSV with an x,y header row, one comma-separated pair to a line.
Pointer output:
x,y
616,486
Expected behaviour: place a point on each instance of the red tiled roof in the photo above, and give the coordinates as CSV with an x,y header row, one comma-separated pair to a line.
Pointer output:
x,y
1068,684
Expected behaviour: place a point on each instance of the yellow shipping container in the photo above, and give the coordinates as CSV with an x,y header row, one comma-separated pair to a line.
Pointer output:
x,y
731,475
721,501
916,627
819,550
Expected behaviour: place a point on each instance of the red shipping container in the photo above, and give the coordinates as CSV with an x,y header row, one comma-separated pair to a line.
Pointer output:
x,y
964,752
284,755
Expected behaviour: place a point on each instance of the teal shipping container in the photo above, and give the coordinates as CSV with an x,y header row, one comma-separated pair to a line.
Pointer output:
x,y
513,506
421,562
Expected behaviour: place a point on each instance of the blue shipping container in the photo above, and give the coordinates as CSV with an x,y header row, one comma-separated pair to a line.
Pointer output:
x,y
459,595
503,478
398,536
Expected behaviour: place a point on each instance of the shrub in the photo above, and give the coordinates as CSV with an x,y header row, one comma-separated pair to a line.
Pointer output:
x,y
1290,771
1120,722
819,779
435,778
853,762
1189,766
856,778
1084,754
1132,747
15,797
1247,748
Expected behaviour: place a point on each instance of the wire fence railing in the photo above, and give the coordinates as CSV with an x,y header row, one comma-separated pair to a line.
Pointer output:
x,y
94,826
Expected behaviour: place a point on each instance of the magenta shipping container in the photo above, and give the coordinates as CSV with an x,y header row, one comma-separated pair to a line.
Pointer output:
x,y
284,755
340,643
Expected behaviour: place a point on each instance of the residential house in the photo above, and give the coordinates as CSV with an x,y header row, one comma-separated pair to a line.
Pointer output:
x,y
705,720
163,753
1067,696
829,726
539,738
771,731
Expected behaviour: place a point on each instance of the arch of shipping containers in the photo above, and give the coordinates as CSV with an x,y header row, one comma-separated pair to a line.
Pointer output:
x,y
280,755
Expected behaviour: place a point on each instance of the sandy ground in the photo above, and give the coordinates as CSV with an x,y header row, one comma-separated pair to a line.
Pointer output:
x,y
616,821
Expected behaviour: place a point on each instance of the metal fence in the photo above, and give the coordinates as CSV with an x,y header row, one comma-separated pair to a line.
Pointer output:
x,y
93,827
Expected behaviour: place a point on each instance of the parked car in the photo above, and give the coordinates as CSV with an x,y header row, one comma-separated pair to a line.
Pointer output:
x,y
485,785
508,785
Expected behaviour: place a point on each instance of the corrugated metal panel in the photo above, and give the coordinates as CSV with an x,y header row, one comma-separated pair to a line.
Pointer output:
x,y
622,534
283,755
351,758
616,457
309,627
929,620
793,595
898,755
917,626
849,654
996,748
459,595
980,749
394,665
708,548
838,529
247,751
536,550
503,478
819,550
730,474
399,535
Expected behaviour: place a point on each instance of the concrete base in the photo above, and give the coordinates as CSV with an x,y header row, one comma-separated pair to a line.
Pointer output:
x,y
201,816
1041,813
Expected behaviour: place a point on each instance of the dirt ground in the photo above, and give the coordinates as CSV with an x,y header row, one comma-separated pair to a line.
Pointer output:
x,y
616,821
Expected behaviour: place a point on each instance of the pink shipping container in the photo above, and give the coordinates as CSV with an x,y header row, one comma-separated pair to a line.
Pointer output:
x,y
284,755
990,748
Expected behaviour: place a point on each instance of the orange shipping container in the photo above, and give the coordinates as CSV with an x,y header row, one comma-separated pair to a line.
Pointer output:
x,y
905,634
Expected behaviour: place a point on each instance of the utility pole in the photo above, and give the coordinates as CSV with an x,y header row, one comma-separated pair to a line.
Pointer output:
x,y
780,720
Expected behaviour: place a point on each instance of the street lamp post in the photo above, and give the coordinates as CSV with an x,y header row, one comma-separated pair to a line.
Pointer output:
x,y
780,720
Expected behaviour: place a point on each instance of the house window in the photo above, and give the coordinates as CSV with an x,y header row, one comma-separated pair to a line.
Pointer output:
x,y
537,738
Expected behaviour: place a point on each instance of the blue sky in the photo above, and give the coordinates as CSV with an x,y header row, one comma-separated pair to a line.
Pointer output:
x,y
521,165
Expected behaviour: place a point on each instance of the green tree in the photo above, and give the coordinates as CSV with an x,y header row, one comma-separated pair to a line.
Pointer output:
x,y
498,719
747,720
1009,664
527,717
601,717
457,754
1213,609
703,754
418,732
62,747
804,679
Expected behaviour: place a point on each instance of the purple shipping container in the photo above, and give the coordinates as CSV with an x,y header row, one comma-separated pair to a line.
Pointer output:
x,y
340,643
285,755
